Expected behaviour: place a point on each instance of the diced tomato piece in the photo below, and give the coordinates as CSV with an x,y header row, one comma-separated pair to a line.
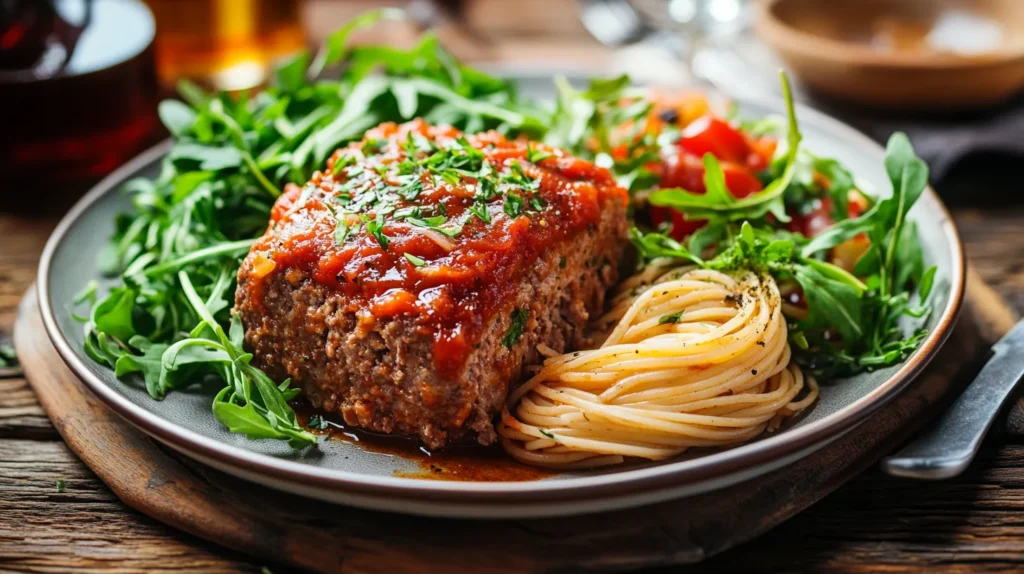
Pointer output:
x,y
681,227
715,136
739,181
683,170
857,205
762,151
812,223
848,252
687,171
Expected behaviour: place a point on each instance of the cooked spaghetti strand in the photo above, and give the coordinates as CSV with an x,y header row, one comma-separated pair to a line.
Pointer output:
x,y
695,358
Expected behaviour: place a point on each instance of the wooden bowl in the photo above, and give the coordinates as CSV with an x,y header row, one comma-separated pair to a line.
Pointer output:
x,y
936,55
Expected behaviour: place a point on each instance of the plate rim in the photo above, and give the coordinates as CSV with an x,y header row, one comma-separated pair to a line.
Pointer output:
x,y
562,490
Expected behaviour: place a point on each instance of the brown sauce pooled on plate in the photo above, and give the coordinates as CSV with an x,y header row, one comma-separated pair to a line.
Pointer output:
x,y
465,462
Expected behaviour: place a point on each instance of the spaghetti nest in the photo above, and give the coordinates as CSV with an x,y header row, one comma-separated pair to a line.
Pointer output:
x,y
696,358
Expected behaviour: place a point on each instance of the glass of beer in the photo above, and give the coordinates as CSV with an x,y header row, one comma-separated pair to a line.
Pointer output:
x,y
224,44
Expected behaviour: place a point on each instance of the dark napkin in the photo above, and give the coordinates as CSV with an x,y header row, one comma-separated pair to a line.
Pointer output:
x,y
943,140
994,135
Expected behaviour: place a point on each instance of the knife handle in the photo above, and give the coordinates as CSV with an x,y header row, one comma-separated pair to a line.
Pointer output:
x,y
949,446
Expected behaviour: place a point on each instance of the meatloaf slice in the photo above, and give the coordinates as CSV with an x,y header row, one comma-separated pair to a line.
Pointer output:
x,y
408,285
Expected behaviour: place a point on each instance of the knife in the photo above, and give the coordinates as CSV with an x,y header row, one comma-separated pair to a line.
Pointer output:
x,y
947,448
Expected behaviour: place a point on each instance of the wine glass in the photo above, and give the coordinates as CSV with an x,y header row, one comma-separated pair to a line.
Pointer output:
x,y
707,36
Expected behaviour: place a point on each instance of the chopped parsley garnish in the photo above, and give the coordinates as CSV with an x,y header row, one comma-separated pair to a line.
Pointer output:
x,y
486,189
451,230
513,204
60,485
411,189
518,176
480,210
375,227
380,188
536,156
342,162
670,318
515,329
410,147
317,422
431,222
341,232
416,261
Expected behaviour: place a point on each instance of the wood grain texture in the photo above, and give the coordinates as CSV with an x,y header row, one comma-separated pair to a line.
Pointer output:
x,y
85,528
994,240
287,529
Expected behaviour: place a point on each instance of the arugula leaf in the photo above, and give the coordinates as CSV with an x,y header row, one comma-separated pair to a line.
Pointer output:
x,y
885,221
924,288
350,122
654,245
113,315
176,117
407,98
291,75
208,157
244,419
714,182
476,107
148,364
572,116
242,377
334,47
908,264
705,237
830,303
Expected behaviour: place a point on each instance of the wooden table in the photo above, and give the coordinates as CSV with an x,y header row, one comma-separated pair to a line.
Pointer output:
x,y
874,523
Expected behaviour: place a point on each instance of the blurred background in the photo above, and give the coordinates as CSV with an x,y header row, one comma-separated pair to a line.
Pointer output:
x,y
80,79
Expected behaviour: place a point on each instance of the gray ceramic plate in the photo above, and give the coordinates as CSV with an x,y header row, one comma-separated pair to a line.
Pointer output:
x,y
342,472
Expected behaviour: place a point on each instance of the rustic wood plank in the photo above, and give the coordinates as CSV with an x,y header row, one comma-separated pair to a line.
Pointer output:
x,y
85,528
20,413
993,238
879,523
22,240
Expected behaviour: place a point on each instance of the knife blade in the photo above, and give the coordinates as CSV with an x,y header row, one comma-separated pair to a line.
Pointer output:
x,y
947,448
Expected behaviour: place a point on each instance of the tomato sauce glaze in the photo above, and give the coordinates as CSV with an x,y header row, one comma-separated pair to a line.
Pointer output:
x,y
454,283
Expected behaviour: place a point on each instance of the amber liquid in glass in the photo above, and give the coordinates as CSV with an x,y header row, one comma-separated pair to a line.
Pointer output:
x,y
224,44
